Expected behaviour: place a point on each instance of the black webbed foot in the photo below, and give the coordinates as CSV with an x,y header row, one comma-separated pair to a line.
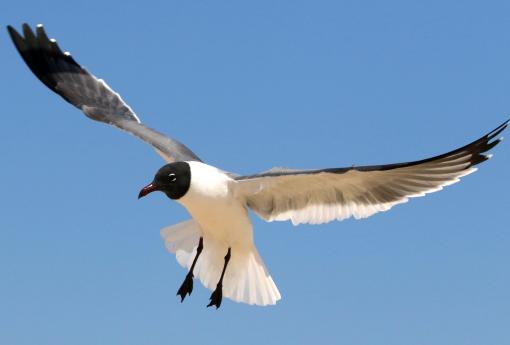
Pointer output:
x,y
216,297
217,294
186,287
187,284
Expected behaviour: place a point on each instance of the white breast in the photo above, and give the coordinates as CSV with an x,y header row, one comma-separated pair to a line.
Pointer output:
x,y
211,202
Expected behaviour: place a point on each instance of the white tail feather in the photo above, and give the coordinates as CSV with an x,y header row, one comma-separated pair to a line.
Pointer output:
x,y
246,278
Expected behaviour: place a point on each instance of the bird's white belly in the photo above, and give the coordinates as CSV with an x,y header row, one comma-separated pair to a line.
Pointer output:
x,y
226,223
211,203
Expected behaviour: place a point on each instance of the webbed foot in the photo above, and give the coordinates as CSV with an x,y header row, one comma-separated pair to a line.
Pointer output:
x,y
186,287
216,297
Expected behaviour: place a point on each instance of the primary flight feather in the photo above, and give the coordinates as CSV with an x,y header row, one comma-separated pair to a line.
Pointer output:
x,y
216,245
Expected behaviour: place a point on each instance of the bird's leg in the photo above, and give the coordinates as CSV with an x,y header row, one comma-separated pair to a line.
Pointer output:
x,y
217,294
187,284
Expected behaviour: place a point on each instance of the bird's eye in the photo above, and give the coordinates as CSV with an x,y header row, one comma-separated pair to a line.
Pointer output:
x,y
172,177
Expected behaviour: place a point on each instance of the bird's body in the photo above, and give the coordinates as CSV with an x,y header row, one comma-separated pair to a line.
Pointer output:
x,y
220,217
212,203
217,245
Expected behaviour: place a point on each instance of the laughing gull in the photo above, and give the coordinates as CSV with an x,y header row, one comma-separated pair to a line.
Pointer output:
x,y
216,244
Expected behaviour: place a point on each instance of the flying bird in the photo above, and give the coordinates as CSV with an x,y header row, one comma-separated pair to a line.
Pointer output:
x,y
216,244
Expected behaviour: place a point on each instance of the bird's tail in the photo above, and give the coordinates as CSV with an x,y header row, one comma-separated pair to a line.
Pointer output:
x,y
246,277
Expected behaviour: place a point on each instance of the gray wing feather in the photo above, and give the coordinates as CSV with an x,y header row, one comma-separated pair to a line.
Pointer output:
x,y
323,195
62,74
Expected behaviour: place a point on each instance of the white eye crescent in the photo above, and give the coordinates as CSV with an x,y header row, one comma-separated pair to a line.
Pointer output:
x,y
172,177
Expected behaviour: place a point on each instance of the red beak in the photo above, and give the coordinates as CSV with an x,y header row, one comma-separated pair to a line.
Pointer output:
x,y
146,190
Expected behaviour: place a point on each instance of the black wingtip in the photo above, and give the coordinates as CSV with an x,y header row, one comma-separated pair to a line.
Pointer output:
x,y
498,130
15,36
28,32
26,27
43,56
39,29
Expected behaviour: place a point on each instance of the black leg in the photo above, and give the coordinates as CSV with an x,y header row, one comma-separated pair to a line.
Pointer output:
x,y
187,284
217,294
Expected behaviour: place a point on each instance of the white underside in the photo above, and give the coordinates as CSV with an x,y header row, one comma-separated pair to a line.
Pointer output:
x,y
223,222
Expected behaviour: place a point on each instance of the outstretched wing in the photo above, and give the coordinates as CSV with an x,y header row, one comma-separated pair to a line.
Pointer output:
x,y
320,196
62,74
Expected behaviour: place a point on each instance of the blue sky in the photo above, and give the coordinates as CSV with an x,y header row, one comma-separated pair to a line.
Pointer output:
x,y
249,85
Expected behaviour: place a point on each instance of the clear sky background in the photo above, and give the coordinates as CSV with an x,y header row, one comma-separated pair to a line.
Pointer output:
x,y
249,85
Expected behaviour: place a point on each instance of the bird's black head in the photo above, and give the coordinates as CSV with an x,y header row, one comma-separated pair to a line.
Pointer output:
x,y
172,179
